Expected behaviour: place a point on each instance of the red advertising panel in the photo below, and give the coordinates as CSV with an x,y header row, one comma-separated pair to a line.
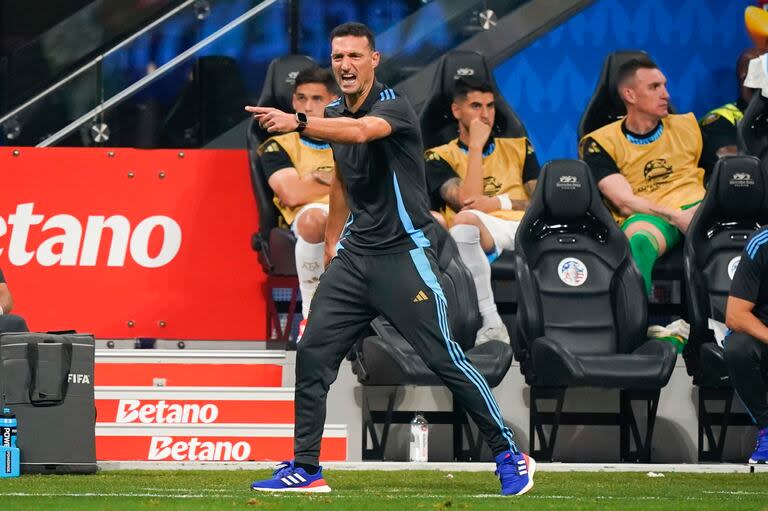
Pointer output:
x,y
189,375
254,408
262,446
131,243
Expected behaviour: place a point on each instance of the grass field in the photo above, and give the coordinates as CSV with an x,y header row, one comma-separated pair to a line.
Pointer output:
x,y
369,491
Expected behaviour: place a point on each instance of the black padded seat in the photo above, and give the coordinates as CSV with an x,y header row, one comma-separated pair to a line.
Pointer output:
x,y
736,204
752,130
275,245
582,310
387,359
733,208
572,341
645,368
404,367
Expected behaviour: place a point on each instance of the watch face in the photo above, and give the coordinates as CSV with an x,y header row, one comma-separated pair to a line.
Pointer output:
x,y
301,117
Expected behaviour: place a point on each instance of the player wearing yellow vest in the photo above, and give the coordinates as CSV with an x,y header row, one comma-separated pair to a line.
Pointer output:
x,y
646,165
718,127
485,183
298,170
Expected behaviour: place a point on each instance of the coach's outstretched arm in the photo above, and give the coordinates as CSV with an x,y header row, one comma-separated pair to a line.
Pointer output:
x,y
338,129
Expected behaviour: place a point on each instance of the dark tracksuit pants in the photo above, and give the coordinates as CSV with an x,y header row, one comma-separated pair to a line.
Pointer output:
x,y
354,290
12,323
747,360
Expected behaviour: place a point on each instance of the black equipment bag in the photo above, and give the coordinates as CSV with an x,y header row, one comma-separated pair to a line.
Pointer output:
x,y
47,382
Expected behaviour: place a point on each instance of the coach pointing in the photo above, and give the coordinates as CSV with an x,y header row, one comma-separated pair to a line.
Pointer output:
x,y
378,241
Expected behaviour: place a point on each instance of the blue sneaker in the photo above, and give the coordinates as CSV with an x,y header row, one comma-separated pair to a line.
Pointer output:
x,y
761,450
288,478
515,472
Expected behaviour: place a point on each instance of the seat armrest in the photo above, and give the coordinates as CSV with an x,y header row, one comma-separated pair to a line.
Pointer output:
x,y
551,361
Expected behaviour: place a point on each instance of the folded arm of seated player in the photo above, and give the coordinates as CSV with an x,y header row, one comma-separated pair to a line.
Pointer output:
x,y
292,190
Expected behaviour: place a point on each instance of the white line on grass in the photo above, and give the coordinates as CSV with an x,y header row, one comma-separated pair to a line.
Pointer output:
x,y
121,494
186,489
737,492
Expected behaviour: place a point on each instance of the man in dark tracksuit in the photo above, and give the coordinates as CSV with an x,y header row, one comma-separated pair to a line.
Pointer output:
x,y
746,347
380,227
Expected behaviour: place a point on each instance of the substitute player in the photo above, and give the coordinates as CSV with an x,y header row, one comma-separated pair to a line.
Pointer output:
x,y
646,165
486,183
298,170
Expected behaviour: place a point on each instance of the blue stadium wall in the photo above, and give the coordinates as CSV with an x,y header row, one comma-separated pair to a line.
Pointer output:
x,y
695,43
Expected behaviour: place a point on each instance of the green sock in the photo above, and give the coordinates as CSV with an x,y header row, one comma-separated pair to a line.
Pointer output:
x,y
645,251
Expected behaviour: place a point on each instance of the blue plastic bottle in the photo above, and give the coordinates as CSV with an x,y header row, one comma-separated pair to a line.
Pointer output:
x,y
9,453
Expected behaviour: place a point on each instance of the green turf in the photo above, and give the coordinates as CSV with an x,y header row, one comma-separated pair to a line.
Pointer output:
x,y
369,491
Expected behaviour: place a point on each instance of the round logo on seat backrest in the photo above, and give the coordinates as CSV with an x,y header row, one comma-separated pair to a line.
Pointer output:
x,y
572,271
732,265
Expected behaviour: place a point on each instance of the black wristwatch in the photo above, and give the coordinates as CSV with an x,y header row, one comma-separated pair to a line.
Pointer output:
x,y
301,120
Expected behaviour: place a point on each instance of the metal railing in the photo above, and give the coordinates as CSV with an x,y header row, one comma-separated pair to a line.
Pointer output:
x,y
156,74
95,61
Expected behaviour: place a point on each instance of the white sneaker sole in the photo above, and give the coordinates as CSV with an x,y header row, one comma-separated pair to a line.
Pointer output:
x,y
314,489
531,471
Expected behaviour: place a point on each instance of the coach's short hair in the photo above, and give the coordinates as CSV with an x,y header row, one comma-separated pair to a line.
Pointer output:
x,y
467,84
354,28
316,74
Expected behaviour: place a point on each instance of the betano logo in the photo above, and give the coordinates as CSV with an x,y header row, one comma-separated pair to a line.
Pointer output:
x,y
132,410
73,245
163,447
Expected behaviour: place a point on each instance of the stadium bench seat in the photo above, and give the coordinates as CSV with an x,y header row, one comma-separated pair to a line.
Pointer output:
x,y
275,244
387,359
582,312
733,208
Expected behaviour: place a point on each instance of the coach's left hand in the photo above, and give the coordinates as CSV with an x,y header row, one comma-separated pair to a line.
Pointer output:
x,y
273,120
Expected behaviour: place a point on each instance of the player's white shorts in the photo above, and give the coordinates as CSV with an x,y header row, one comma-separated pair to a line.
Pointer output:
x,y
305,208
502,231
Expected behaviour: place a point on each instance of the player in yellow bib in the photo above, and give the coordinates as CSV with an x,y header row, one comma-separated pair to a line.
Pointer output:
x,y
298,170
718,127
647,165
485,183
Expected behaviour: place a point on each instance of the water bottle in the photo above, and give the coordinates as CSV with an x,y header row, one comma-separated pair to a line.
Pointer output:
x,y
9,453
419,438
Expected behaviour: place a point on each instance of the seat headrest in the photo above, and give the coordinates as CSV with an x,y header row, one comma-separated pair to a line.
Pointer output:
x,y
752,130
280,80
567,192
458,64
740,187
437,123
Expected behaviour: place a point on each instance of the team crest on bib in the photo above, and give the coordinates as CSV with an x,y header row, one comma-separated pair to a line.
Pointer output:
x,y
572,271
732,265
